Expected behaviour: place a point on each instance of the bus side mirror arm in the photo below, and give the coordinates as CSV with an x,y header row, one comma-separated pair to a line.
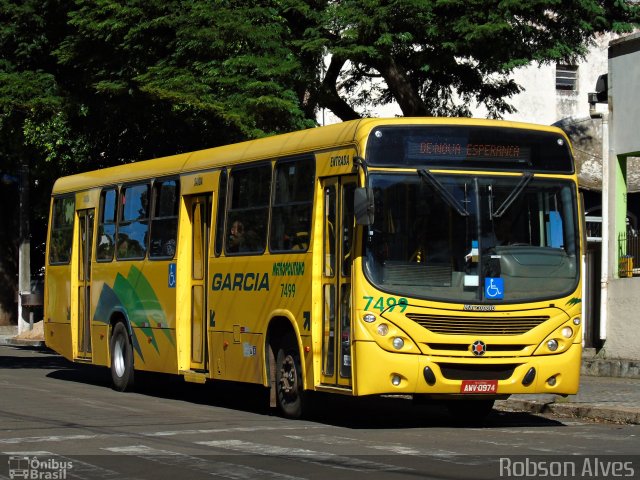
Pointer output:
x,y
363,205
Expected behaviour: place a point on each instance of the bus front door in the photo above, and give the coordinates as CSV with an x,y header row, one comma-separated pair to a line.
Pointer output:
x,y
336,280
199,212
85,241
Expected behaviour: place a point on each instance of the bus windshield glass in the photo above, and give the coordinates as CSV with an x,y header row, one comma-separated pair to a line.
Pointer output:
x,y
473,239
469,147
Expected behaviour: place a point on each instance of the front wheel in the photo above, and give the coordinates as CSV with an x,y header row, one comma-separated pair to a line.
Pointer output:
x,y
121,358
289,391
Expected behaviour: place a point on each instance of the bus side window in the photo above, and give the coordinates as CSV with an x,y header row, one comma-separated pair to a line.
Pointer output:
x,y
133,225
292,205
107,225
164,221
61,235
249,207
222,205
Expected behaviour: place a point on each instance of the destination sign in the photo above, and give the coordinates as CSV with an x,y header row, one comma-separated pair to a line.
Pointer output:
x,y
469,146
460,149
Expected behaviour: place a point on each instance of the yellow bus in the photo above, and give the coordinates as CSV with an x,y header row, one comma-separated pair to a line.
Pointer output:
x,y
433,257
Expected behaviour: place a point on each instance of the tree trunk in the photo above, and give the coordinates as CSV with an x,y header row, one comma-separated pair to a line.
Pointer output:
x,y
407,97
328,96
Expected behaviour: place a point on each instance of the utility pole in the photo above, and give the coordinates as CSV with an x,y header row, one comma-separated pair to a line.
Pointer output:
x,y
24,248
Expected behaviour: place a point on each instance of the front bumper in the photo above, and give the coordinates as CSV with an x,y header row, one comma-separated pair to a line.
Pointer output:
x,y
375,368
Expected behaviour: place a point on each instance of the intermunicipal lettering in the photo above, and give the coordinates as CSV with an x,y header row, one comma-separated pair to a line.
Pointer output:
x,y
286,269
240,282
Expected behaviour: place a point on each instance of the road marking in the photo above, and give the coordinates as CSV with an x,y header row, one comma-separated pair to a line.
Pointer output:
x,y
262,428
304,455
57,438
326,439
198,464
395,449
74,437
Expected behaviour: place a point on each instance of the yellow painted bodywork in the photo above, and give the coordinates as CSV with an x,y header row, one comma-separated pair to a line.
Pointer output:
x,y
244,294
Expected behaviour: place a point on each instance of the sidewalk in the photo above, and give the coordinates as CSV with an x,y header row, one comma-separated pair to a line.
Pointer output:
x,y
9,336
601,398
607,399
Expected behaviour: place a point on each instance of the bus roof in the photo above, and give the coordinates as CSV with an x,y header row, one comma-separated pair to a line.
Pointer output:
x,y
288,144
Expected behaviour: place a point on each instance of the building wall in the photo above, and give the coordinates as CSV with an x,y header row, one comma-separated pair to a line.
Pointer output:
x,y
623,330
620,295
540,102
624,79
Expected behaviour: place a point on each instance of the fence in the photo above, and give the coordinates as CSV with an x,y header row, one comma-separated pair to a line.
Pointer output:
x,y
628,255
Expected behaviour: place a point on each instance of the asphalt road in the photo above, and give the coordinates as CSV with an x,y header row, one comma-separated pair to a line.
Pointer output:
x,y
62,420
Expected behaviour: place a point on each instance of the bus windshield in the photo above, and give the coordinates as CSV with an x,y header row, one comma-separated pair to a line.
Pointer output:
x,y
472,239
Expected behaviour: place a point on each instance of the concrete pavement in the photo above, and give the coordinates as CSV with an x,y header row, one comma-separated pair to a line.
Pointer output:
x,y
601,398
607,399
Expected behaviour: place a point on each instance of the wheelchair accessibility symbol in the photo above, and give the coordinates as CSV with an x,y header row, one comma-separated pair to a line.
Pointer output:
x,y
172,275
494,288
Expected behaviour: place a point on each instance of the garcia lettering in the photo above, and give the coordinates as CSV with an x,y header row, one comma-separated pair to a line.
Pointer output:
x,y
240,282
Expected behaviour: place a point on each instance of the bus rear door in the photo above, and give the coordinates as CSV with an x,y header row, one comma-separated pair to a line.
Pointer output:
x,y
199,211
84,244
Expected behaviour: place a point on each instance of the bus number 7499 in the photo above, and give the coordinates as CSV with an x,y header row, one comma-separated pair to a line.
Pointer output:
x,y
382,303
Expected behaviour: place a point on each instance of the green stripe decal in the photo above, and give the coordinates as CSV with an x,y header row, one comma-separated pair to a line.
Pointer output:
x,y
136,298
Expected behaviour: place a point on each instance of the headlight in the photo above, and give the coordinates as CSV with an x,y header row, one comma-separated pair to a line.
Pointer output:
x,y
398,343
576,321
369,317
383,329
567,332
552,345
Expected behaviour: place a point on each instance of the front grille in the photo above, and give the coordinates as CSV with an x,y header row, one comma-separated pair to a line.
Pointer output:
x,y
465,347
476,325
456,371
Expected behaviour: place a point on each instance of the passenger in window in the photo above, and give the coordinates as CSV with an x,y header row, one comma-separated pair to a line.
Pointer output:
x,y
123,246
236,238
129,248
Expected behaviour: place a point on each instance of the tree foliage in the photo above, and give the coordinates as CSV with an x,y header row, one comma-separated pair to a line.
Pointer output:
x,y
444,57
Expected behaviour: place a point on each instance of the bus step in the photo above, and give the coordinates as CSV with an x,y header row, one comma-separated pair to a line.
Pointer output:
x,y
193,376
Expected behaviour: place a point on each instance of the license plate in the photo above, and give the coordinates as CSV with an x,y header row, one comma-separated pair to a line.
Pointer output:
x,y
479,386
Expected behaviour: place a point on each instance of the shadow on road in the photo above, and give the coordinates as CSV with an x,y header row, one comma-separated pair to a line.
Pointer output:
x,y
32,358
342,411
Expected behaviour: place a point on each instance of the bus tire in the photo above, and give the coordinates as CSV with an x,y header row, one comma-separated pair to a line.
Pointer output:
x,y
470,411
289,387
121,358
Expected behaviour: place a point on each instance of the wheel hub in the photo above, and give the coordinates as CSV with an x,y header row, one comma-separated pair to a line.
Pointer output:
x,y
288,377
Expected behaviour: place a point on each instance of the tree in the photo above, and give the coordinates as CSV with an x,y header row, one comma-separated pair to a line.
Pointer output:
x,y
171,76
441,57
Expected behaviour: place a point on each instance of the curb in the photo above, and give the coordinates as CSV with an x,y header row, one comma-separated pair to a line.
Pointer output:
x,y
597,367
18,342
576,410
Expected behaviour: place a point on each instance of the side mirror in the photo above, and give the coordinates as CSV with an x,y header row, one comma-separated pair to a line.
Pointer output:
x,y
363,206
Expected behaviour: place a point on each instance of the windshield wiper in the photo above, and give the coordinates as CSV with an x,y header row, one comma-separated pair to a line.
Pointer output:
x,y
453,202
515,193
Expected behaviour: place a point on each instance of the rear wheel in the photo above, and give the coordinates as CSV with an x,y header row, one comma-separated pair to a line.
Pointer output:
x,y
121,358
289,391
